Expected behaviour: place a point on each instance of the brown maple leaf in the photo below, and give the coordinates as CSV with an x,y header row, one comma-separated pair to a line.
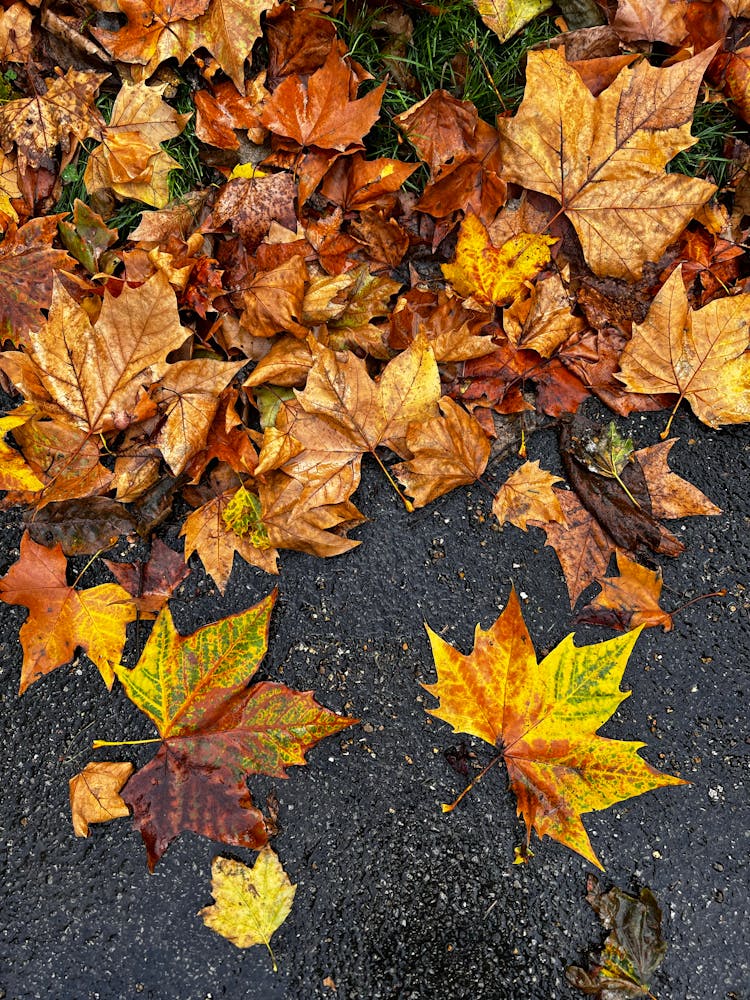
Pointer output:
x,y
61,618
46,128
94,794
151,583
603,158
702,355
527,496
319,112
93,375
629,600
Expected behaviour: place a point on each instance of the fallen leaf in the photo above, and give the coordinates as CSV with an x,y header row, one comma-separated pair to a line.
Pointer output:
x,y
527,495
701,355
94,794
603,158
633,950
493,275
151,583
214,730
130,161
446,452
250,904
545,718
318,112
83,526
629,600
62,619
15,473
671,495
93,375
507,17
643,20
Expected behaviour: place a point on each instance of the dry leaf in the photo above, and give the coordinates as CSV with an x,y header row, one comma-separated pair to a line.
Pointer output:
x,y
94,794
527,495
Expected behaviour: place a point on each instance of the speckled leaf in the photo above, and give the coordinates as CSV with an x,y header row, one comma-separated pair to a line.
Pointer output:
x,y
215,730
250,904
544,718
494,275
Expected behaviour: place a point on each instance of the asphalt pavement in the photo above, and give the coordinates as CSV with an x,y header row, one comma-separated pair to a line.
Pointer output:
x,y
396,899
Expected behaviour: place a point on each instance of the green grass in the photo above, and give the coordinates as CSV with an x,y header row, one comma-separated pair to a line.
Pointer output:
x,y
451,50
713,124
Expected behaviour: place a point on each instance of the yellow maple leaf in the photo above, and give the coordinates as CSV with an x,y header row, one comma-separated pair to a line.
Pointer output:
x,y
494,275
250,904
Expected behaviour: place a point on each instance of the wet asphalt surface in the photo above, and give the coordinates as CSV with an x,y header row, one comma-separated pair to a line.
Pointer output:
x,y
396,899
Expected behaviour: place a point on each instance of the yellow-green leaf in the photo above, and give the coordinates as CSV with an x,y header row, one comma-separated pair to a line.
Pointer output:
x,y
544,719
506,17
250,904
15,474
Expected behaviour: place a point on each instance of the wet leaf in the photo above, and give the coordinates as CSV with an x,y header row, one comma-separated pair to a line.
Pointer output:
x,y
250,904
527,495
544,718
62,619
151,583
94,794
629,600
633,950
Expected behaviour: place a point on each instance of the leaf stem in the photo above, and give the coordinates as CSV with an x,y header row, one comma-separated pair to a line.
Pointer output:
x,y
666,430
475,781
700,597
95,556
122,743
404,500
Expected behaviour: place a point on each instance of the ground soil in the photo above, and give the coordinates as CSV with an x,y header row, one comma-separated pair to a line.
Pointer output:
x,y
396,899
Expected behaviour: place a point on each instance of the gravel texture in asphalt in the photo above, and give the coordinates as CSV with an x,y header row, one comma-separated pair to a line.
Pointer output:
x,y
396,899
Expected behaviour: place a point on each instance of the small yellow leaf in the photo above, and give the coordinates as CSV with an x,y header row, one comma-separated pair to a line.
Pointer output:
x,y
250,904
527,495
247,170
95,794
15,474
494,275
507,17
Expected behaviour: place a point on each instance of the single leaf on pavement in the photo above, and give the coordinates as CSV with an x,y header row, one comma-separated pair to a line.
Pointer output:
x,y
95,794
446,452
629,600
250,904
61,618
603,158
702,355
671,495
494,275
214,730
544,718
633,950
527,495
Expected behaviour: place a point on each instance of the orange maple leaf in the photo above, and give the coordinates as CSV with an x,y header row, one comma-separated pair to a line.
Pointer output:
x,y
544,718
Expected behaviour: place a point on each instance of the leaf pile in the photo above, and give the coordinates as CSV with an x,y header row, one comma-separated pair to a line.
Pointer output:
x,y
218,283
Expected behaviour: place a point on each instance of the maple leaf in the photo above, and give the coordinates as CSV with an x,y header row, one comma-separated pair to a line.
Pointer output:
x,y
27,265
61,618
446,452
94,794
639,20
228,29
439,128
493,275
342,414
527,495
250,904
603,158
634,948
214,729
318,111
210,531
544,718
703,355
92,375
251,204
507,17
82,526
629,600
151,583
37,125
130,160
